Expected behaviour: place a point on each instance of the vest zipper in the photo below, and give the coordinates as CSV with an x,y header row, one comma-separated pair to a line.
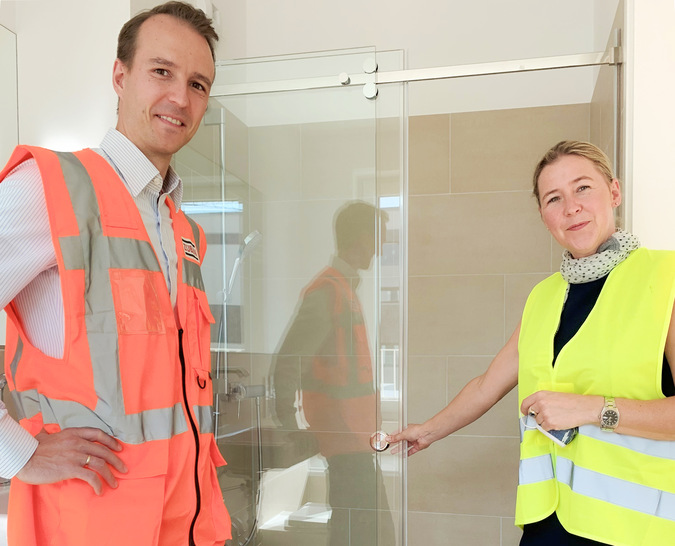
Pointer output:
x,y
195,433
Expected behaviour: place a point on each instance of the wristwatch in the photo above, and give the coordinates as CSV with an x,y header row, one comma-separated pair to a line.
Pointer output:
x,y
609,416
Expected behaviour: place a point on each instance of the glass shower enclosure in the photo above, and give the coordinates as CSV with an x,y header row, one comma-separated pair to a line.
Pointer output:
x,y
301,195
300,178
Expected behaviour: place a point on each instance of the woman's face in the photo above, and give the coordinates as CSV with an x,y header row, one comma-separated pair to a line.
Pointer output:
x,y
577,204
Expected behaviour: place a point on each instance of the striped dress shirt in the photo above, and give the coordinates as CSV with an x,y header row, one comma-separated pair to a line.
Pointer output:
x,y
28,273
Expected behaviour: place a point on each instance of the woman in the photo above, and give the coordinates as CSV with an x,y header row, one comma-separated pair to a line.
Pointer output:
x,y
592,351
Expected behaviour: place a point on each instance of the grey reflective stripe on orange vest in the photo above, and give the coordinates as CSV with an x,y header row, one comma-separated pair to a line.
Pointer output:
x,y
15,360
192,275
195,231
96,254
204,416
158,424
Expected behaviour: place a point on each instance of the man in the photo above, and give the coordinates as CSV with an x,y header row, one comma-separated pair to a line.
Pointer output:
x,y
324,368
108,339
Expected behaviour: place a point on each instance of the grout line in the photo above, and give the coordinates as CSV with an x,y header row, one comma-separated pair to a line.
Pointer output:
x,y
450,154
504,338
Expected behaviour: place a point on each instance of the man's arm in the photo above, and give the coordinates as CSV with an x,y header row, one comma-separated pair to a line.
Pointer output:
x,y
27,250
16,445
310,326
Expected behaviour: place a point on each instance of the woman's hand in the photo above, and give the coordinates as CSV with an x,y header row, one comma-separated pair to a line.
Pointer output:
x,y
562,410
417,436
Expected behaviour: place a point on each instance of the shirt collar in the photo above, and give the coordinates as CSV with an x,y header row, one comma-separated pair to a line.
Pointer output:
x,y
136,170
346,271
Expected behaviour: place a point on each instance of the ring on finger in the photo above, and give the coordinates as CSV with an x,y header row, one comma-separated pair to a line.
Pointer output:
x,y
86,463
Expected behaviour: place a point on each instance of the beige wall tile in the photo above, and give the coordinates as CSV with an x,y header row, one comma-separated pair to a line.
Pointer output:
x,y
510,533
429,529
338,160
502,419
426,387
556,255
276,162
476,233
236,147
459,315
429,154
497,150
389,152
465,475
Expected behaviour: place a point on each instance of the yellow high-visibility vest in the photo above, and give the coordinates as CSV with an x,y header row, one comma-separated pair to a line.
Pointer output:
x,y
606,486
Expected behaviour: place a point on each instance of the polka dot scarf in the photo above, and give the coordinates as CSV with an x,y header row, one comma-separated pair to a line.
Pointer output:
x,y
611,253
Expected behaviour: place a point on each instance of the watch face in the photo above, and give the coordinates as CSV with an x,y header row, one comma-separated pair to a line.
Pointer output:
x,y
610,418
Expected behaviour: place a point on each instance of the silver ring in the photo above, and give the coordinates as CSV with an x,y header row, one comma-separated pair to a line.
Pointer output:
x,y
86,463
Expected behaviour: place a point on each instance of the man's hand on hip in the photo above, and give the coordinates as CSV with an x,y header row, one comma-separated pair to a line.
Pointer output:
x,y
82,453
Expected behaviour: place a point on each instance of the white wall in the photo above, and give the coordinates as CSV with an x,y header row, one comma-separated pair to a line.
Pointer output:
x,y
7,18
8,112
8,94
66,51
65,54
650,134
433,34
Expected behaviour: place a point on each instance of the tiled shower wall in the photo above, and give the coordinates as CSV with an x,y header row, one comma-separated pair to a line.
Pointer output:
x,y
476,248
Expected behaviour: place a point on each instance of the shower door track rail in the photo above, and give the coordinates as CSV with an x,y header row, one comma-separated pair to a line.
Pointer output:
x,y
600,58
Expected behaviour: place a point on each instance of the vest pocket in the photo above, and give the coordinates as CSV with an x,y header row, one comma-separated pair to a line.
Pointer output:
x,y
136,299
198,337
147,350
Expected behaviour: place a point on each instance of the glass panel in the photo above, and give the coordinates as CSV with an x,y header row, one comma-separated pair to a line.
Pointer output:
x,y
303,274
477,246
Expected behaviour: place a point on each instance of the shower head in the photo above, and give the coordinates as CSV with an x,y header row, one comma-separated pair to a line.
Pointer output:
x,y
250,242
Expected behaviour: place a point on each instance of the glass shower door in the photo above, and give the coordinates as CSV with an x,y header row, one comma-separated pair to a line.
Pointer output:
x,y
302,209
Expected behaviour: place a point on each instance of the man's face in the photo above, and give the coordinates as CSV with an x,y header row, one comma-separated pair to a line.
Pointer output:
x,y
164,93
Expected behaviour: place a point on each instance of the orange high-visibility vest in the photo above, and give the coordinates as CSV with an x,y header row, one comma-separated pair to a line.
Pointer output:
x,y
338,395
131,367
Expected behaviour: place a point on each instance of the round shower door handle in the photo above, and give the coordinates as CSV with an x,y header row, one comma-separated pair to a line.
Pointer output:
x,y
378,441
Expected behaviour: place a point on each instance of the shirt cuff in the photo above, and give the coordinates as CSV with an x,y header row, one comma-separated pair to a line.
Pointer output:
x,y
16,446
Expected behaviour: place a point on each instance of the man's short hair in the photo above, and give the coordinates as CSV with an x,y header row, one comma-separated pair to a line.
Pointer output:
x,y
196,18
354,220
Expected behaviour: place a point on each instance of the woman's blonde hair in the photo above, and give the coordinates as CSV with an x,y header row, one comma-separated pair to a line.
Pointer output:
x,y
573,147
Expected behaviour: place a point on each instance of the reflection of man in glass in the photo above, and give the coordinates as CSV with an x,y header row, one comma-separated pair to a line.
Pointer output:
x,y
324,376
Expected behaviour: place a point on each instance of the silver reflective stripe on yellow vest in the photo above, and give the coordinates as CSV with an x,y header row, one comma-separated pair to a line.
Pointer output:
x,y
616,491
633,496
95,253
612,488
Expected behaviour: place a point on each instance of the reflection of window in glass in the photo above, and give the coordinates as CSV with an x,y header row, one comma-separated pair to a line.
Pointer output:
x,y
222,222
390,289
388,372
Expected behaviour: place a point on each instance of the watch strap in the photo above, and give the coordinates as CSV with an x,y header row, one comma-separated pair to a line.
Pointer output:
x,y
609,416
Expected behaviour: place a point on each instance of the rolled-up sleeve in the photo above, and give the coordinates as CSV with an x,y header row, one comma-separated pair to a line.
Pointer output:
x,y
16,445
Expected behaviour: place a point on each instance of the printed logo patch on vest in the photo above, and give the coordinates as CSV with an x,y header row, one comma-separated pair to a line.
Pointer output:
x,y
190,249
